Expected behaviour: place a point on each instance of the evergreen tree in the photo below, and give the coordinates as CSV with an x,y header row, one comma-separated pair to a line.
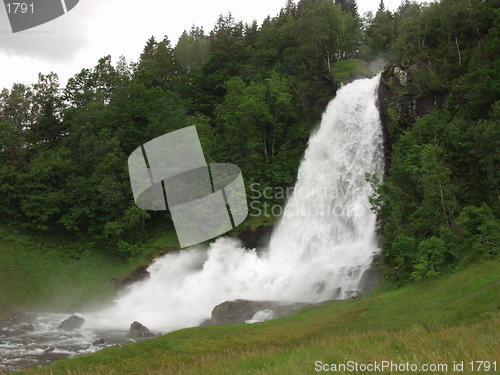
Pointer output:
x,y
381,6
348,6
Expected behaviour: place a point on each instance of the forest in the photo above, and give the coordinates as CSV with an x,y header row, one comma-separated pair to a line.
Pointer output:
x,y
255,93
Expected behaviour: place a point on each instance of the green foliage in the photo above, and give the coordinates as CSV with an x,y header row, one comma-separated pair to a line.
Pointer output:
x,y
380,33
192,49
436,171
405,249
255,92
125,228
431,258
441,188
480,230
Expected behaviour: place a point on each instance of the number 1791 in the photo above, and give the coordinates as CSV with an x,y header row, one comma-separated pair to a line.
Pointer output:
x,y
20,8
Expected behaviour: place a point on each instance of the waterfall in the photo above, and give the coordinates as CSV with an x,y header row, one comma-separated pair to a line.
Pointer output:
x,y
319,250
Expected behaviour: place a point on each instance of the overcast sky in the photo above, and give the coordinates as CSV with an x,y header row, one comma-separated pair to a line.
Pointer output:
x,y
95,28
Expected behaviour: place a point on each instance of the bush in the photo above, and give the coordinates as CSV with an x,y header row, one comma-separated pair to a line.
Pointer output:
x,y
432,254
480,230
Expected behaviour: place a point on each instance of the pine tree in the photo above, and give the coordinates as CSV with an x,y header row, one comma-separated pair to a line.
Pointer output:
x,y
150,49
290,7
381,6
348,6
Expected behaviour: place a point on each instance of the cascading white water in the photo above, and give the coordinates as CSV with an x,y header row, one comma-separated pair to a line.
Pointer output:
x,y
325,240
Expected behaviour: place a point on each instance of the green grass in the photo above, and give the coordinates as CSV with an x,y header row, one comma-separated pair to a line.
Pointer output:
x,y
48,272
40,272
345,71
451,318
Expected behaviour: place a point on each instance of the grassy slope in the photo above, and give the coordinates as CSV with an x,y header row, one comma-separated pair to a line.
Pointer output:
x,y
47,272
452,318
50,273
38,272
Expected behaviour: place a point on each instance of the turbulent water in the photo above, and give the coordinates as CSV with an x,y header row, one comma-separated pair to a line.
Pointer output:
x,y
319,251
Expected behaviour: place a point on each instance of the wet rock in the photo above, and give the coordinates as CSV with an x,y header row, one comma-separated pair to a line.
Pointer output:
x,y
73,322
233,312
256,238
50,349
371,277
206,322
261,316
239,311
137,330
99,342
140,273
16,323
401,75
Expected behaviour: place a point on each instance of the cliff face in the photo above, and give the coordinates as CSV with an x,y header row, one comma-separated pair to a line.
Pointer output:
x,y
401,103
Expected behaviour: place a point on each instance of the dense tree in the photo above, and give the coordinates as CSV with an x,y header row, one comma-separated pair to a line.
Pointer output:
x,y
192,49
441,189
348,6
254,93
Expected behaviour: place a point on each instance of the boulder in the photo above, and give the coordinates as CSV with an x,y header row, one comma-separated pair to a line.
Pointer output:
x,y
73,322
99,342
240,310
137,330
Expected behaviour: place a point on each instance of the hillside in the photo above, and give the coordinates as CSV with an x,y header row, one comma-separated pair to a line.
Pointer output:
x,y
451,318
404,163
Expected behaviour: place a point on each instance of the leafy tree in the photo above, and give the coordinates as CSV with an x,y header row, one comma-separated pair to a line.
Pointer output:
x,y
192,49
431,257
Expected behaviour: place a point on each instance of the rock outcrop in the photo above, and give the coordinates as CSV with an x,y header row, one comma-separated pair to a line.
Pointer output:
x,y
402,101
99,342
140,273
371,277
240,310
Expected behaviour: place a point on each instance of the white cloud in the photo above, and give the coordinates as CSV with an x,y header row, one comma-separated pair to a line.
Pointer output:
x,y
95,28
